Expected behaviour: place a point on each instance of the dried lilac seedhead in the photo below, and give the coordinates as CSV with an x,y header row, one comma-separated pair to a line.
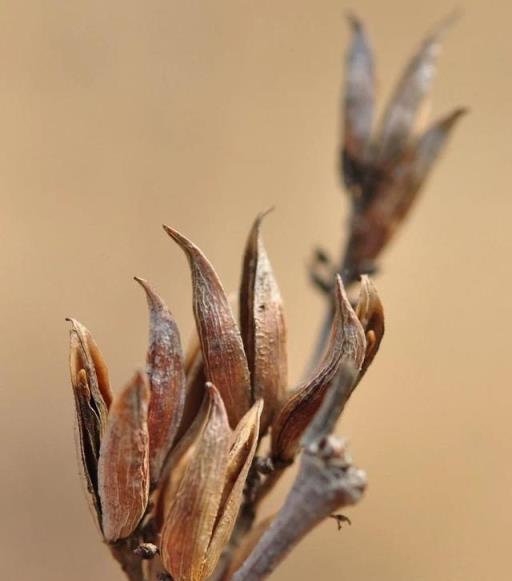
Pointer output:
x,y
176,464
384,167
233,387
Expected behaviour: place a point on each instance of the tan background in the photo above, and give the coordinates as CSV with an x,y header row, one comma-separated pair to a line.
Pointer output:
x,y
117,116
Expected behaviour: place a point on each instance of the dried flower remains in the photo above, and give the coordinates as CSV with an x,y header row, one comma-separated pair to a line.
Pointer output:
x,y
176,465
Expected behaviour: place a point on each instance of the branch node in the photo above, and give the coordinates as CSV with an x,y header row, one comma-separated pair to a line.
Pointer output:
x,y
146,551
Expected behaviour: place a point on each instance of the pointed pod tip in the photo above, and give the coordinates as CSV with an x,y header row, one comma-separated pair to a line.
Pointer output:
x,y
181,240
460,112
354,21
139,385
266,212
340,288
367,282
258,406
440,30
139,380
453,17
144,284
153,298
75,324
448,121
256,409
216,399
260,217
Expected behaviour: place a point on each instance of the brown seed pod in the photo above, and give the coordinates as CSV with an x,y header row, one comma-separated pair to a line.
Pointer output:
x,y
193,512
395,191
195,386
165,369
123,468
221,344
359,105
85,354
178,460
385,173
263,326
347,341
92,394
412,89
370,312
241,454
87,441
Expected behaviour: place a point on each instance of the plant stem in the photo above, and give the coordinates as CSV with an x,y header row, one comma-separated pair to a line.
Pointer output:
x,y
130,563
326,481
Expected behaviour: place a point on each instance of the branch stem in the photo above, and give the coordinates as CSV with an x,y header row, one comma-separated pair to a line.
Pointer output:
x,y
326,482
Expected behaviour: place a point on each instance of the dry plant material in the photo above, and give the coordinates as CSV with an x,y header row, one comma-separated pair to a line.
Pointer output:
x,y
166,374
185,540
327,481
347,342
240,457
176,465
93,396
222,349
384,166
247,546
123,468
263,326
370,313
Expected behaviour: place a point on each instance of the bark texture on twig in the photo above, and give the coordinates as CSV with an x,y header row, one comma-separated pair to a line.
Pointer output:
x,y
326,481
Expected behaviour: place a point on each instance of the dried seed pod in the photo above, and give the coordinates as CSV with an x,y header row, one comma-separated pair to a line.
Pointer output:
x,y
194,391
370,312
221,344
399,118
87,440
359,105
414,167
241,454
347,341
337,395
263,326
84,354
192,351
188,526
123,468
179,459
244,438
165,369
395,193
92,394
168,486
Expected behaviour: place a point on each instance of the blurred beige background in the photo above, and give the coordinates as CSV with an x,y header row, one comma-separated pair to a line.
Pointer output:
x,y
118,116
